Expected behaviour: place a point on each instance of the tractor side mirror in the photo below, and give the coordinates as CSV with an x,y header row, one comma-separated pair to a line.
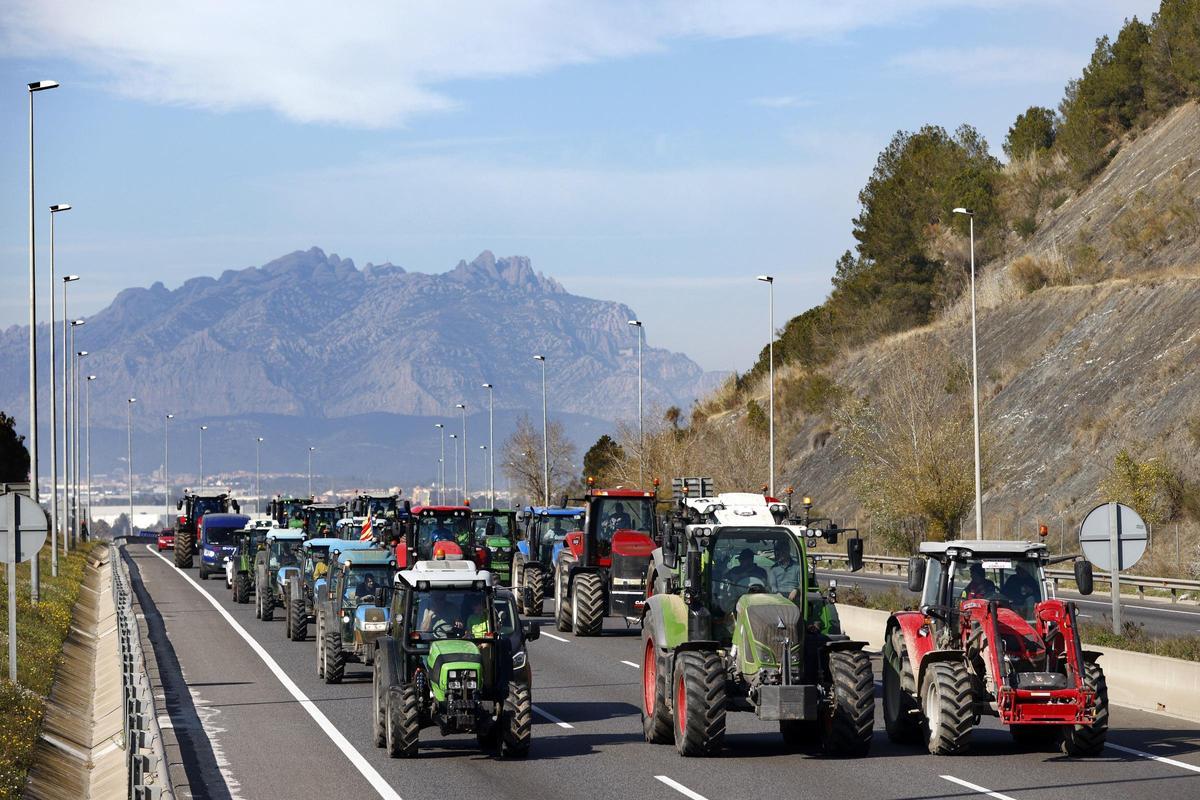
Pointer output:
x,y
831,536
380,598
916,573
854,553
669,556
179,505
563,504
1083,576
531,630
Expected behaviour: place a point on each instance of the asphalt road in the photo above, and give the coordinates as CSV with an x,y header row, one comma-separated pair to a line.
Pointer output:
x,y
1159,618
256,722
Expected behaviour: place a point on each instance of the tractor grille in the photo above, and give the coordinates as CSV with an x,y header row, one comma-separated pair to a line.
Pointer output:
x,y
764,625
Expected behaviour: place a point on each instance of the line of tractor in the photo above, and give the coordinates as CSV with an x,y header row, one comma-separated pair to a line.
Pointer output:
x,y
440,603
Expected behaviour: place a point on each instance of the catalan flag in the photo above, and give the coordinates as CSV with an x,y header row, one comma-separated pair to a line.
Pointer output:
x,y
367,532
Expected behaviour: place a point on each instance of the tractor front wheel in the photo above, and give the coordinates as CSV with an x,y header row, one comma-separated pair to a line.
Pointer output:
x,y
297,617
850,715
700,700
656,716
517,720
901,711
531,576
241,588
183,550
587,606
403,723
1088,740
947,706
334,660
268,601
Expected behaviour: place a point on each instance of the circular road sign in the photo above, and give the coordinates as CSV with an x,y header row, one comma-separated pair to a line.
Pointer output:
x,y
21,516
1103,523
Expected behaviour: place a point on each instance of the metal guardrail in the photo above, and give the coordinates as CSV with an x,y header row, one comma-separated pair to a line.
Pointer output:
x,y
1139,582
145,756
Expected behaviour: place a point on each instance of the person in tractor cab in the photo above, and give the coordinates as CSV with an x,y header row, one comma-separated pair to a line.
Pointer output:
x,y
980,587
443,614
319,568
1021,591
618,520
296,521
366,587
746,574
785,572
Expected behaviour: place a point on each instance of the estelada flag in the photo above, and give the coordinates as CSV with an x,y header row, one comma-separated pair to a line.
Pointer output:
x,y
366,533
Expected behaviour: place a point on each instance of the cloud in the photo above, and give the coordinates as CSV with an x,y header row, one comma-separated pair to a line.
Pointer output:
x,y
377,63
993,65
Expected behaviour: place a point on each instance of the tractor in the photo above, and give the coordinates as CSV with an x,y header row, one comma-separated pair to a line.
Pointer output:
x,y
446,663
989,639
288,512
321,518
274,565
601,570
543,535
375,505
195,505
494,534
431,531
354,611
306,584
730,631
250,541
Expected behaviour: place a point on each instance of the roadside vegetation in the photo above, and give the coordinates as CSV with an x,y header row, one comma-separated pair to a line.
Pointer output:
x,y
41,630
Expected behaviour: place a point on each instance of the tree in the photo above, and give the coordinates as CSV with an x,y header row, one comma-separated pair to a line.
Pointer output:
x,y
601,458
14,457
1033,132
523,461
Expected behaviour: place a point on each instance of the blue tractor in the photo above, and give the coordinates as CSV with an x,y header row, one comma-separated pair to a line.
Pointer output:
x,y
542,533
306,584
353,611
274,566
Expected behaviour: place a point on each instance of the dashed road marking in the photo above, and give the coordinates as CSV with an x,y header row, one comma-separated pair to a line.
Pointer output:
x,y
552,718
555,638
1152,757
975,788
679,787
323,722
631,664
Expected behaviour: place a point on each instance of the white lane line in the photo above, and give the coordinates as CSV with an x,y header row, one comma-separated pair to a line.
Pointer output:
x,y
555,638
630,663
552,718
679,787
356,758
975,788
1152,757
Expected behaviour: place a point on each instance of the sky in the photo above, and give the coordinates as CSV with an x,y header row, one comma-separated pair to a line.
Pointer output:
x,y
661,154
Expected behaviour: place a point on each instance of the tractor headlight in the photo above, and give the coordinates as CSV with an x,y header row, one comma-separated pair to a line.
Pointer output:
x,y
472,680
519,660
454,683
346,619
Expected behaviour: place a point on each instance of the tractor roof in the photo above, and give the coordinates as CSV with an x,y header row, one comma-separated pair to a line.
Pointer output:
x,y
492,512
207,491
555,511
738,508
324,506
370,558
631,493
448,574
285,535
975,547
338,544
419,509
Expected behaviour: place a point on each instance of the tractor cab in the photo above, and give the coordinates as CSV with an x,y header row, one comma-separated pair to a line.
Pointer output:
x,y
375,505
320,519
434,532
288,512
545,531
493,537
354,612
309,582
274,565
1011,573
249,541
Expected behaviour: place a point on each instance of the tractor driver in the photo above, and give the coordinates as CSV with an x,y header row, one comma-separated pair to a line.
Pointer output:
x,y
746,573
618,520
467,619
980,587
319,568
785,572
366,587
1021,590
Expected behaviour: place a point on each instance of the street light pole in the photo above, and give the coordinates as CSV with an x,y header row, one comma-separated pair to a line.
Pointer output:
x,y
257,473
641,433
88,442
129,456
76,403
491,455
483,448
974,379
203,428
466,492
35,580
166,480
545,438
310,452
54,514
442,462
66,368
770,281
454,445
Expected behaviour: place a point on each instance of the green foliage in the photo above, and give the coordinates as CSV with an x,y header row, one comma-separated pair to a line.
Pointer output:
x,y
1151,487
602,457
14,457
756,418
1032,132
818,393
1133,637
1172,60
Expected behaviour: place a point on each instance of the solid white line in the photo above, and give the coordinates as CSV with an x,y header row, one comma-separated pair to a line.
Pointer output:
x,y
552,718
356,758
975,788
555,638
679,787
630,663
1153,757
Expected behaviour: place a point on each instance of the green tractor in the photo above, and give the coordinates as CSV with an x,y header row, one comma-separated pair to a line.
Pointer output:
x,y
729,628
355,610
447,663
288,512
249,542
494,532
321,519
274,565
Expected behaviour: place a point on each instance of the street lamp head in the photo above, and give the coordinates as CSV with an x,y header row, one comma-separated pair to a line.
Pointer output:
x,y
82,353
539,358
637,323
70,278
77,322
766,278
463,406
38,86
170,416
91,377
310,449
133,399
438,425
259,440
488,386
483,447
54,209
203,427
454,436
967,211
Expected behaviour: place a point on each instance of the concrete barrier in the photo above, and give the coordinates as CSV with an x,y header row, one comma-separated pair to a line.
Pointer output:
x,y
1135,680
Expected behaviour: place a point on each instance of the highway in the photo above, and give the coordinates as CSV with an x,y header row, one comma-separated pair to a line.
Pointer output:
x,y
1159,618
254,721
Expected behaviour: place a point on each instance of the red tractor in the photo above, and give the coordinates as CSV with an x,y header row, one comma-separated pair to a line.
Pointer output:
x,y
601,570
989,639
435,532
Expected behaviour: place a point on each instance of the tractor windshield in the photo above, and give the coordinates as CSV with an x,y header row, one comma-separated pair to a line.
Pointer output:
x,y
380,506
754,561
1015,582
614,514
502,527
323,516
206,505
283,553
362,583
551,530
453,526
450,613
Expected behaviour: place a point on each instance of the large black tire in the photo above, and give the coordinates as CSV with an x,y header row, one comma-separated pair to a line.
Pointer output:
x,y
587,605
378,705
320,649
241,588
183,550
297,616
946,705
901,711
850,715
532,577
403,723
334,659
517,720
562,607
267,595
202,573
699,703
1088,740
656,714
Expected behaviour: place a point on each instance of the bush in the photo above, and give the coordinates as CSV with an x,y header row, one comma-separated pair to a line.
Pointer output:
x,y
1133,637
1028,273
1151,487
1032,132
1025,227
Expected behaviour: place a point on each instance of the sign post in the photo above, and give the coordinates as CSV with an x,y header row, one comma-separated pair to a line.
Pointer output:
x,y
1113,537
23,527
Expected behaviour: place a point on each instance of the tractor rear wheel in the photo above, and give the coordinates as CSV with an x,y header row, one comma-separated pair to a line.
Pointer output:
x,y
587,606
947,707
700,699
901,711
297,616
850,716
183,550
517,721
562,609
531,576
656,716
334,660
403,723
1088,740
267,600
241,588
